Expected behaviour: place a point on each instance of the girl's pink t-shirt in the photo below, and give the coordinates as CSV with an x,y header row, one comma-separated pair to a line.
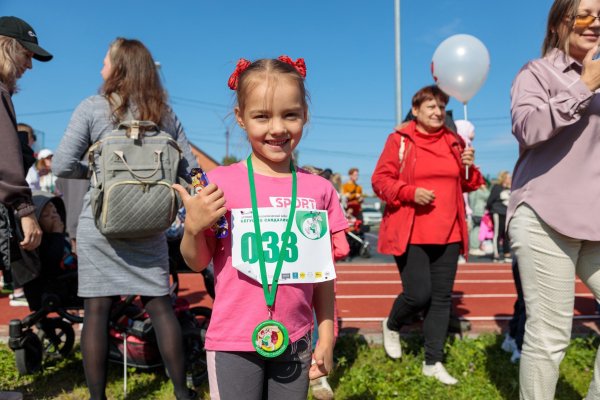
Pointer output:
x,y
240,305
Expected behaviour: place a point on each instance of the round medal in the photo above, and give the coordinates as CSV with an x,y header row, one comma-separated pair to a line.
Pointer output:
x,y
270,338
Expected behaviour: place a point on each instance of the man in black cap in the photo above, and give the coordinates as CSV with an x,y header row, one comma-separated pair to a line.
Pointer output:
x,y
18,45
17,28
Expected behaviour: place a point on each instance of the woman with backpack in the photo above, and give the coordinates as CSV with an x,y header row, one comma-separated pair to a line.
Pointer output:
x,y
110,267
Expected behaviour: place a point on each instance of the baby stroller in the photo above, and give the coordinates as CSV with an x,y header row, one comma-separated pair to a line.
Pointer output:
x,y
51,292
131,328
355,235
55,308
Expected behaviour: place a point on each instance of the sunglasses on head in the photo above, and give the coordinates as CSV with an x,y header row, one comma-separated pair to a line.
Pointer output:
x,y
584,20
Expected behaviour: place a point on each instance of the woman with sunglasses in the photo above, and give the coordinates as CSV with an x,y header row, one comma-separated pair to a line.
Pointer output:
x,y
554,214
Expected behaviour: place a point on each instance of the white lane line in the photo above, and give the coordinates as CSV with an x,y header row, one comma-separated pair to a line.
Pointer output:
x,y
497,271
377,265
486,271
374,265
454,296
498,318
395,282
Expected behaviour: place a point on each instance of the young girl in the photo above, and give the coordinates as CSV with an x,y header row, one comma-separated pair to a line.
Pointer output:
x,y
272,109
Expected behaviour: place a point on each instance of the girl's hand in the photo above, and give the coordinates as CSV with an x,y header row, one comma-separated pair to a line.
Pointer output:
x,y
590,75
203,209
424,196
468,156
322,363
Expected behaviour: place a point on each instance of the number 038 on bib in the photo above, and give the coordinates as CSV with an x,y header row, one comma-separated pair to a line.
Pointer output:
x,y
307,254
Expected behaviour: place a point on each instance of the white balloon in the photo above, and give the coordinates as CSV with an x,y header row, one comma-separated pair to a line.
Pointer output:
x,y
460,66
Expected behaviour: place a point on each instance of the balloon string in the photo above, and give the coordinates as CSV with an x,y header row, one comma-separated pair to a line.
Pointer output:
x,y
466,119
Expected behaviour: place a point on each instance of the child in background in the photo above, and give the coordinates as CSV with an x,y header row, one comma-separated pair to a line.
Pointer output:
x,y
40,176
55,251
272,109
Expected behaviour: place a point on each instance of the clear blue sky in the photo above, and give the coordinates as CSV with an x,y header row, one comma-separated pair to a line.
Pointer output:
x,y
348,47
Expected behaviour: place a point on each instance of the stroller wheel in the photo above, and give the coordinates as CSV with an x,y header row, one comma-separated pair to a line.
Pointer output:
x,y
29,357
57,337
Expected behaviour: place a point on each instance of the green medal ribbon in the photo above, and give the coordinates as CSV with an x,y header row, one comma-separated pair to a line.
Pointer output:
x,y
270,338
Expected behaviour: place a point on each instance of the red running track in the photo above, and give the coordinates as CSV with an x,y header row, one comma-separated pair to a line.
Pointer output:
x,y
191,287
483,294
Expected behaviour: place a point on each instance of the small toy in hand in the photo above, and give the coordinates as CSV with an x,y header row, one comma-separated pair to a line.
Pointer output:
x,y
200,181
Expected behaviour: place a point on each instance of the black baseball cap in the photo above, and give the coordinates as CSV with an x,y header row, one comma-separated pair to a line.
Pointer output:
x,y
17,28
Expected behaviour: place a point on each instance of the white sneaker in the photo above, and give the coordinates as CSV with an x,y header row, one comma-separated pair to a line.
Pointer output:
x,y
477,252
516,356
391,341
320,389
18,301
438,371
509,345
461,259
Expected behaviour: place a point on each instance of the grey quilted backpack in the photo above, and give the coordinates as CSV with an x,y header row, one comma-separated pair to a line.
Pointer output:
x,y
132,170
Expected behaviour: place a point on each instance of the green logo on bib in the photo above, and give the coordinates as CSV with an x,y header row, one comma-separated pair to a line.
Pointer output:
x,y
312,224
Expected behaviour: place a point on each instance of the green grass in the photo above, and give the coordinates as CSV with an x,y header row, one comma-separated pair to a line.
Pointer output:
x,y
362,372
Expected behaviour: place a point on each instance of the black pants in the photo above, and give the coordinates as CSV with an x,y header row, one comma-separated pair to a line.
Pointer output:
x,y
501,242
517,323
427,273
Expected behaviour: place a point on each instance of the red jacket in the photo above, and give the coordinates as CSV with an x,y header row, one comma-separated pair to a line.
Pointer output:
x,y
394,183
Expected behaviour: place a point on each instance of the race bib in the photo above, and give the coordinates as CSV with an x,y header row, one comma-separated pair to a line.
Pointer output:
x,y
307,256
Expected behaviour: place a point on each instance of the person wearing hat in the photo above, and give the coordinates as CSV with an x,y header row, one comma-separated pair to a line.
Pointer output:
x,y
40,176
18,45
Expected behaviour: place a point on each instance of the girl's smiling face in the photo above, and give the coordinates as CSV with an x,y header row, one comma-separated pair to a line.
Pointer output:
x,y
273,118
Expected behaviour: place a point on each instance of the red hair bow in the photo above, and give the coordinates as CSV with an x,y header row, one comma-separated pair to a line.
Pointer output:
x,y
240,67
298,64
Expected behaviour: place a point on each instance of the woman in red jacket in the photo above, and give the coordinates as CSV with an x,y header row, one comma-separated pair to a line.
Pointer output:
x,y
421,176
